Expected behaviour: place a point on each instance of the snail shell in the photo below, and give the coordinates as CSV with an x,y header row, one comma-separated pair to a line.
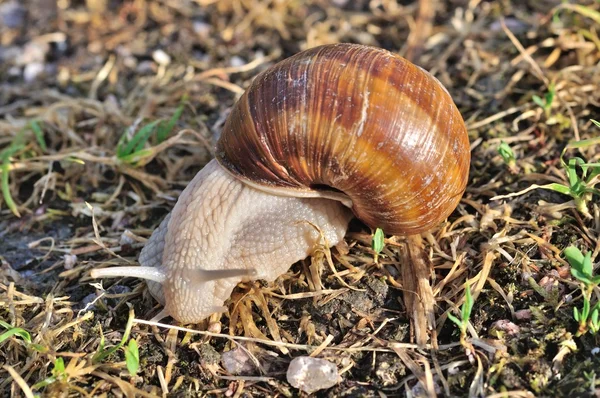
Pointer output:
x,y
357,120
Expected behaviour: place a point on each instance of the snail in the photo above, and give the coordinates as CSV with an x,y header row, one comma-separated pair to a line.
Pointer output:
x,y
331,133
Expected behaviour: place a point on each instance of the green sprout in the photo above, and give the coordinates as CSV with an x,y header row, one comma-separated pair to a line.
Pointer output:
x,y
20,332
581,184
132,356
378,243
465,314
58,373
582,270
581,178
546,102
507,155
132,151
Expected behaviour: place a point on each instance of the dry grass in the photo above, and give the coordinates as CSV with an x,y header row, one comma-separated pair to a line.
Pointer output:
x,y
105,73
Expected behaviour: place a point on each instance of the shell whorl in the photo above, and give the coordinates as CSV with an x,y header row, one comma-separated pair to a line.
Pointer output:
x,y
357,119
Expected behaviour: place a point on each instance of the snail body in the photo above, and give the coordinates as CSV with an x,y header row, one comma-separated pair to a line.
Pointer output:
x,y
330,133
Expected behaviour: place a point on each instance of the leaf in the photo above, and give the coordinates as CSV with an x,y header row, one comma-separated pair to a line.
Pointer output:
x,y
553,186
583,10
165,128
137,141
506,152
584,143
22,333
39,135
581,266
137,156
467,306
102,353
572,172
595,313
585,311
580,276
597,123
59,368
378,242
538,101
575,257
576,314
5,155
132,357
587,268
455,320
550,96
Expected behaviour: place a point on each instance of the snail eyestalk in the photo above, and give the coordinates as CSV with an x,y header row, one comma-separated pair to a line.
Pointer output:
x,y
148,273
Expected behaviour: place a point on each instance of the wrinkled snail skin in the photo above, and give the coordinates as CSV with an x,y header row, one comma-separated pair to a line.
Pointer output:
x,y
331,133
222,231
221,224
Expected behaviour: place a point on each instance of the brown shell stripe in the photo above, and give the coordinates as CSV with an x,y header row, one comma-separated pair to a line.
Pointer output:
x,y
358,119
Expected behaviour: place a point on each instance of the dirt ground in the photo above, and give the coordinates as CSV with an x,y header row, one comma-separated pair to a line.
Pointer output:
x,y
76,77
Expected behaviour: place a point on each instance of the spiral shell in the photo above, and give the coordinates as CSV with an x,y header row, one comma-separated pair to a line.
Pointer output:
x,y
357,120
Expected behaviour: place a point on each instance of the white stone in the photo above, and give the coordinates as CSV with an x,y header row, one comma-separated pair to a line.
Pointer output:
x,y
161,57
312,374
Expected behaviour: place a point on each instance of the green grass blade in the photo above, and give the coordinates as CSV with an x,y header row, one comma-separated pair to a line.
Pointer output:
x,y
553,187
583,143
138,140
164,129
455,320
102,353
136,156
583,10
6,186
538,101
467,306
16,331
39,135
550,96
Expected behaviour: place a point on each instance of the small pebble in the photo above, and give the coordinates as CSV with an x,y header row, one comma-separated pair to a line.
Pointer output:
x,y
202,29
506,326
568,298
127,238
32,71
145,67
237,362
88,300
595,350
214,327
237,61
312,374
523,315
70,260
161,57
